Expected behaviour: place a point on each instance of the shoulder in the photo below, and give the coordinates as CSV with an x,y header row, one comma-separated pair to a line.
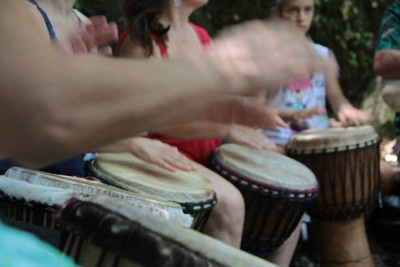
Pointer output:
x,y
34,12
323,51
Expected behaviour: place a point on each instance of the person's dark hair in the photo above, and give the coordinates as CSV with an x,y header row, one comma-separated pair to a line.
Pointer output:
x,y
143,16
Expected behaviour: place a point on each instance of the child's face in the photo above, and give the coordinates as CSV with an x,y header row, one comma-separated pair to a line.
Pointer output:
x,y
298,12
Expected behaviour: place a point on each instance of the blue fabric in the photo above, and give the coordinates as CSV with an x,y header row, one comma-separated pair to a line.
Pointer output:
x,y
72,167
18,248
78,16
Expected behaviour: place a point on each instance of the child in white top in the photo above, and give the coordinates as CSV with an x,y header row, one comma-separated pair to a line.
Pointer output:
x,y
301,103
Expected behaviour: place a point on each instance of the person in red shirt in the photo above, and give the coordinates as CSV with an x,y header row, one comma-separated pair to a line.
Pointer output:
x,y
161,30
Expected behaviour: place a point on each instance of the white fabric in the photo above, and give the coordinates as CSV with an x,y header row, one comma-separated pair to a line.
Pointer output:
x,y
307,97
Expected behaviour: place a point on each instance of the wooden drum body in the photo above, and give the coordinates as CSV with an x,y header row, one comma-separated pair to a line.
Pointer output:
x,y
102,234
189,189
346,164
276,190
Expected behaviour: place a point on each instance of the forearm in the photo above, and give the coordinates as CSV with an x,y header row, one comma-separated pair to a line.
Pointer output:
x,y
197,130
334,93
248,111
286,115
120,146
64,108
49,98
387,63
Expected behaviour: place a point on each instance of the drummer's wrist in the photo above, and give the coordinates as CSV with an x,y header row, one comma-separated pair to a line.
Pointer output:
x,y
225,131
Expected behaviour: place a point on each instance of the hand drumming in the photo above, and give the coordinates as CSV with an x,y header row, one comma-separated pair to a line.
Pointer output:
x,y
163,155
347,112
259,55
247,136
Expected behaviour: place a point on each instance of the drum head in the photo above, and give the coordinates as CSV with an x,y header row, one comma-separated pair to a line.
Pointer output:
x,y
131,173
332,139
266,167
46,188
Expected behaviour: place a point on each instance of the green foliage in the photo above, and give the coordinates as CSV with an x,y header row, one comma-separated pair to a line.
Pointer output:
x,y
349,28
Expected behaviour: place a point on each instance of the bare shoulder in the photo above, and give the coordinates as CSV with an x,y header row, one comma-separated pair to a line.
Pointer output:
x,y
34,12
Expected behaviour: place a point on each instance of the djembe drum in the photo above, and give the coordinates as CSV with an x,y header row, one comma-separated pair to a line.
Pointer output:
x,y
276,190
104,234
346,164
189,189
32,197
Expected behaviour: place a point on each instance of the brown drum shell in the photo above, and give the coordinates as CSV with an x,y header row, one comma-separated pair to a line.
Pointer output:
x,y
271,213
348,179
27,212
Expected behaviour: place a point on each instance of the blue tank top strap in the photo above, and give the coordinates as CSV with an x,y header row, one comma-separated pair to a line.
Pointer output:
x,y
76,12
46,19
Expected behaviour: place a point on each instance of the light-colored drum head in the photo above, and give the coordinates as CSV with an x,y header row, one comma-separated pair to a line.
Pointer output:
x,y
131,173
51,189
332,139
266,167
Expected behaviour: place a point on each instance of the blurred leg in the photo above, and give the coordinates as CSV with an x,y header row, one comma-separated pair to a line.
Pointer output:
x,y
283,255
387,177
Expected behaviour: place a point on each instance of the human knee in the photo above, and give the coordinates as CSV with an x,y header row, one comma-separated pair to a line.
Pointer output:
x,y
387,177
231,202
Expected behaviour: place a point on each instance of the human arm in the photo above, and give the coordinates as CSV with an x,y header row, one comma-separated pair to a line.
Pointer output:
x,y
234,133
387,63
246,111
76,103
291,115
343,108
151,151
69,102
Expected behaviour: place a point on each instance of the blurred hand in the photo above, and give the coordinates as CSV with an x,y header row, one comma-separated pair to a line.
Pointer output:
x,y
300,115
258,55
243,135
93,37
247,111
161,154
347,113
